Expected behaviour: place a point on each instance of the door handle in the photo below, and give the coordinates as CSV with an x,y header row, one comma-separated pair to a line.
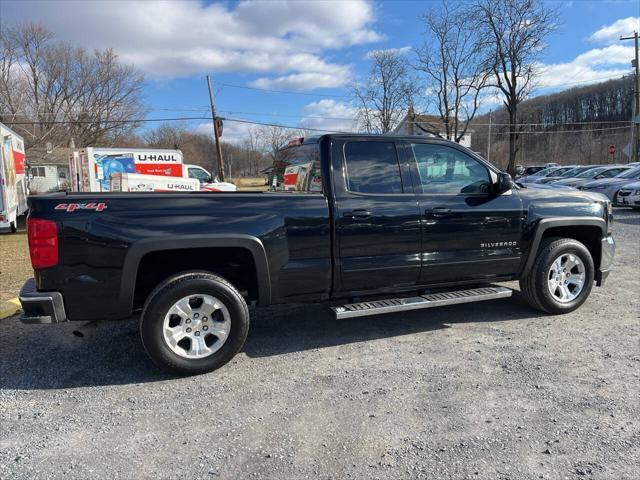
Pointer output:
x,y
358,214
439,212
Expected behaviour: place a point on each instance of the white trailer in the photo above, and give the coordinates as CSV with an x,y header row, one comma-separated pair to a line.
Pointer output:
x,y
13,185
134,182
91,168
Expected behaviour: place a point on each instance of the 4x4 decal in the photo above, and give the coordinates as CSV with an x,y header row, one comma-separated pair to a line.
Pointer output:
x,y
72,207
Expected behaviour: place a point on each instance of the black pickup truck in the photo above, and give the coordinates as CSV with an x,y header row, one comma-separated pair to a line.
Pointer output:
x,y
371,224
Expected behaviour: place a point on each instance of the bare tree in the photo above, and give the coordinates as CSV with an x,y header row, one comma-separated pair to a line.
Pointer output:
x,y
274,138
452,61
387,94
51,91
515,31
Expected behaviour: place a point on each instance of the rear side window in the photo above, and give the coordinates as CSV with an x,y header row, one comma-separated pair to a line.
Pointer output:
x,y
297,169
372,167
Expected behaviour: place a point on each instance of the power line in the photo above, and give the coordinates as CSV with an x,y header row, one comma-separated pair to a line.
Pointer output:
x,y
299,127
566,131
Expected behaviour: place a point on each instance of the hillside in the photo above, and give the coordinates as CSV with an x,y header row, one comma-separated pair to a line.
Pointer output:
x,y
572,126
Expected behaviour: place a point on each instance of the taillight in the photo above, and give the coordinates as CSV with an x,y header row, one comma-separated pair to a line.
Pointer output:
x,y
43,242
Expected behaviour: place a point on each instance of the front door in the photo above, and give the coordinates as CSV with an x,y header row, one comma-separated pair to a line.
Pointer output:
x,y
377,217
468,233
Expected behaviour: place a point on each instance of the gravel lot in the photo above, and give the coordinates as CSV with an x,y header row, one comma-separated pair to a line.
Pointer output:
x,y
489,391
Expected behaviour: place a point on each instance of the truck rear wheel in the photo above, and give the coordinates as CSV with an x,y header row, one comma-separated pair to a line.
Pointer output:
x,y
561,277
194,323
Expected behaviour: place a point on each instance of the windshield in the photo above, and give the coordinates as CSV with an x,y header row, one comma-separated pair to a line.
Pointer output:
x,y
633,173
561,171
575,171
592,172
544,172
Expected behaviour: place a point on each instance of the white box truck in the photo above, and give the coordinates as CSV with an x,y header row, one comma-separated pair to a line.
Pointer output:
x,y
13,184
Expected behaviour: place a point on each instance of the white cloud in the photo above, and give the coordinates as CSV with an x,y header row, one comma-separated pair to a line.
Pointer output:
x,y
612,33
329,115
598,64
400,51
304,81
232,132
173,39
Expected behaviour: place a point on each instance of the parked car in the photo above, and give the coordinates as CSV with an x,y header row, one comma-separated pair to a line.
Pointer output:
x,y
376,225
552,164
591,174
610,186
569,173
531,170
537,175
629,196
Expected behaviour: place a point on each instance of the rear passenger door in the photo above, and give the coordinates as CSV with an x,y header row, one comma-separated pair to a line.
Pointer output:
x,y
468,232
377,220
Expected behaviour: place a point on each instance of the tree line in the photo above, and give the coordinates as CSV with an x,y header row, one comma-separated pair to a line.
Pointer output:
x,y
575,126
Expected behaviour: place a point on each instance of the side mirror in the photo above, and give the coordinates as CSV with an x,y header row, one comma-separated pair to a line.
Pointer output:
x,y
504,183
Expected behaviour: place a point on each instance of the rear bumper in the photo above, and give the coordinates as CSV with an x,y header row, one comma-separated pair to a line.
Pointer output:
x,y
607,252
41,307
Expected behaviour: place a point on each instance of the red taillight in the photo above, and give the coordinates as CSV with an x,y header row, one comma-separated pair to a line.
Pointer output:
x,y
43,242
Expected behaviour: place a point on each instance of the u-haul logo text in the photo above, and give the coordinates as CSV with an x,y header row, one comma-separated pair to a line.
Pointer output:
x,y
72,207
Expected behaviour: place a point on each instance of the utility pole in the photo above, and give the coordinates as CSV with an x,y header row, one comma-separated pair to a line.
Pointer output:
x,y
489,138
636,117
216,135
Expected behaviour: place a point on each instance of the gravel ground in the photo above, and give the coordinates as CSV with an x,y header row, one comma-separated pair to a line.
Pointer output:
x,y
489,391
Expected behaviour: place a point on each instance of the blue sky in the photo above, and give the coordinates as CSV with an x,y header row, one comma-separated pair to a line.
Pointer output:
x,y
317,48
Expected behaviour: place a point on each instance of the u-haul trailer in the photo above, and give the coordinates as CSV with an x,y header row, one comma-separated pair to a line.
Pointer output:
x,y
91,168
134,182
13,184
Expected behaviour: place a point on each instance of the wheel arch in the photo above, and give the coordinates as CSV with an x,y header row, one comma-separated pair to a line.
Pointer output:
x,y
587,230
140,249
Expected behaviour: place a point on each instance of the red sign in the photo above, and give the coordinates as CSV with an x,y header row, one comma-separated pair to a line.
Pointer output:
x,y
612,149
164,169
18,159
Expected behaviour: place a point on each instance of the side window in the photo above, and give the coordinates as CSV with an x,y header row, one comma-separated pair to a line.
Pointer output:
x,y
372,167
200,175
445,170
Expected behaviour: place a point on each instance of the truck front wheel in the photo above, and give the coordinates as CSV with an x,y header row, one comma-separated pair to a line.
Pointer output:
x,y
561,277
194,323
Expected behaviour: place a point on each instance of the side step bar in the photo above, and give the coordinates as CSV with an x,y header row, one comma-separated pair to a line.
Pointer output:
x,y
429,300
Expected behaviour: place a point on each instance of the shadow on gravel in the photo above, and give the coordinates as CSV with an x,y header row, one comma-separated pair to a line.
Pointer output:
x,y
626,216
307,327
110,353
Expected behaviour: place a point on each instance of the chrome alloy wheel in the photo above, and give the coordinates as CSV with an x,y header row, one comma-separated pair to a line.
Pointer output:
x,y
566,277
196,326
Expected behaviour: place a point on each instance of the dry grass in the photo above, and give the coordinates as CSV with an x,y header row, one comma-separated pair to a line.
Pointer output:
x,y
15,266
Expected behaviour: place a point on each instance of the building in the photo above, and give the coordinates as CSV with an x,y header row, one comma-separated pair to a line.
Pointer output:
x,y
48,169
415,124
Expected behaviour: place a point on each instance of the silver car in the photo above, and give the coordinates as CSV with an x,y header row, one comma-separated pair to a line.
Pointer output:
x,y
629,196
610,186
567,173
590,175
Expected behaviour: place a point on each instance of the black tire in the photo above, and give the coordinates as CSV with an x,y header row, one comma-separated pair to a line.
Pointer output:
x,y
534,285
166,295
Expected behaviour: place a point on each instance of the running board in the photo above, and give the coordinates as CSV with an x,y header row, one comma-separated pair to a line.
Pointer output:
x,y
429,300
